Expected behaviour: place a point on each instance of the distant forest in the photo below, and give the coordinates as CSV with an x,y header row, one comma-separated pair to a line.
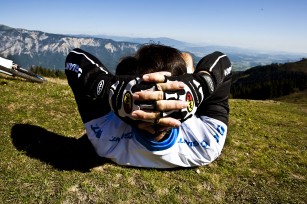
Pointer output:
x,y
260,82
270,81
53,73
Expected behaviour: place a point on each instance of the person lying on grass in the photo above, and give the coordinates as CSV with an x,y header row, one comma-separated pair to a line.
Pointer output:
x,y
152,113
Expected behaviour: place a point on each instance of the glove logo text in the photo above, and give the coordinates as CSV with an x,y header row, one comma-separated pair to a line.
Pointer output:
x,y
189,99
72,67
127,102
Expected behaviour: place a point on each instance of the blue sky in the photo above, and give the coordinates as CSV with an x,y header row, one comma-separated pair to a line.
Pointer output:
x,y
279,25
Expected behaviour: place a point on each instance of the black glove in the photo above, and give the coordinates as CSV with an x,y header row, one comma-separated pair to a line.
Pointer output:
x,y
88,76
121,96
197,88
118,91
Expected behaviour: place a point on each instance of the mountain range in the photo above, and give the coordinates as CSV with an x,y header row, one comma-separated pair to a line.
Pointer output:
x,y
27,48
38,48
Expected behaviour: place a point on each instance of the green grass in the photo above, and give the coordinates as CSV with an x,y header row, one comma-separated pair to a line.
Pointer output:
x,y
45,157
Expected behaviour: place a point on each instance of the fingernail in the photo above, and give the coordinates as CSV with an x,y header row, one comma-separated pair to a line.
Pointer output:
x,y
145,77
151,130
136,96
181,85
134,115
177,124
184,104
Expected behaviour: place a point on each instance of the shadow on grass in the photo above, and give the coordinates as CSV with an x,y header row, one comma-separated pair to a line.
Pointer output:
x,y
63,153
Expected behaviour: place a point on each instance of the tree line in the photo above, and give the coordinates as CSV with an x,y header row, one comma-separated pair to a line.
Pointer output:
x,y
53,73
270,81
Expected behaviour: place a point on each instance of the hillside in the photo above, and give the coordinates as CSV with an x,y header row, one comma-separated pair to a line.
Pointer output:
x,y
46,159
270,81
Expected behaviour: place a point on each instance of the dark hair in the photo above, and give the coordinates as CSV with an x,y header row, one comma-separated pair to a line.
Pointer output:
x,y
153,58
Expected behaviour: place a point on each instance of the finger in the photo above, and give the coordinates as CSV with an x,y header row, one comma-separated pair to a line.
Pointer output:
x,y
168,122
170,86
148,95
167,105
145,115
143,125
158,95
164,124
157,77
147,127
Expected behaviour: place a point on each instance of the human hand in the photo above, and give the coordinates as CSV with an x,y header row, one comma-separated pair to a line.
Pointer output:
x,y
151,111
171,92
134,99
153,121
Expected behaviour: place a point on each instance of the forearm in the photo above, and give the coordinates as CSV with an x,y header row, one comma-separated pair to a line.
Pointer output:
x,y
219,67
89,70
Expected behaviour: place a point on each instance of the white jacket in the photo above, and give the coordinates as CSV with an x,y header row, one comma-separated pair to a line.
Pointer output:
x,y
198,141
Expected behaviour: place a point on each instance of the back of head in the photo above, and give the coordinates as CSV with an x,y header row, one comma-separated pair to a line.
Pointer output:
x,y
153,58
